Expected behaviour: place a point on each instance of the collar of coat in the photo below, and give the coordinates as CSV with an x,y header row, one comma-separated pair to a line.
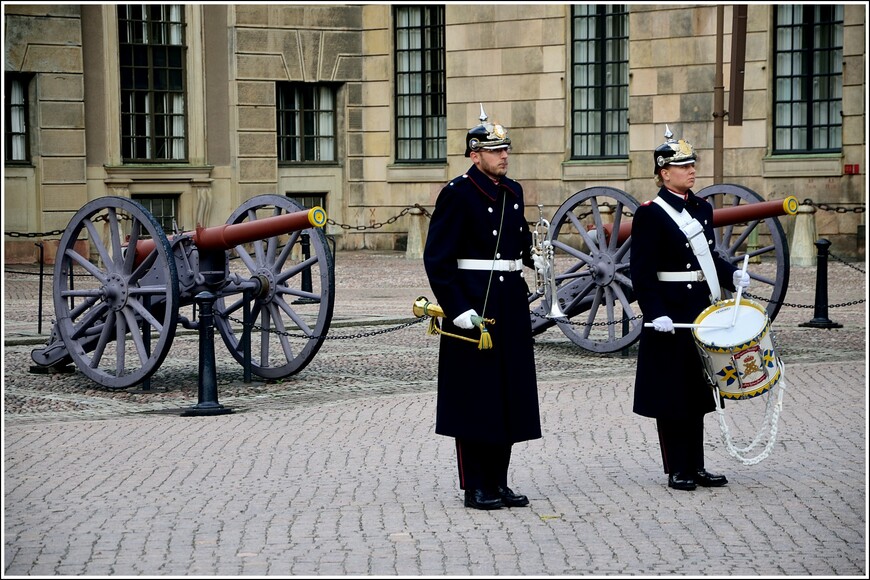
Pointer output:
x,y
487,187
676,201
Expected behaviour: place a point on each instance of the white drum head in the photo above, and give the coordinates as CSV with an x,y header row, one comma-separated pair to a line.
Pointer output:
x,y
715,328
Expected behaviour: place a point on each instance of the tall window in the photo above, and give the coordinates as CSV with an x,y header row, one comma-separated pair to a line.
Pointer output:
x,y
152,55
306,122
15,118
808,72
599,53
421,98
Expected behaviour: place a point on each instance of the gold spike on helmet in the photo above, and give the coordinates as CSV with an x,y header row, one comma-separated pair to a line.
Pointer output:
x,y
489,136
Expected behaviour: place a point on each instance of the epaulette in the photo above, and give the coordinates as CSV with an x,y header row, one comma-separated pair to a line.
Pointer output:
x,y
647,202
463,176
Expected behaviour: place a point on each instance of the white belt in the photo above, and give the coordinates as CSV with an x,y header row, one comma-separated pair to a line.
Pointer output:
x,y
488,265
691,276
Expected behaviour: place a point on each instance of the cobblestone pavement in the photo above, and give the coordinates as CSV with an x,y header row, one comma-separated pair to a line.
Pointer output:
x,y
337,470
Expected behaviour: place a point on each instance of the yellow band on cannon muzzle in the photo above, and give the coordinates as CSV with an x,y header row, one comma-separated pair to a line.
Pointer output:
x,y
317,216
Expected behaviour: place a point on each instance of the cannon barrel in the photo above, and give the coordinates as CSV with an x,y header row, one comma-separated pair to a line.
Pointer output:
x,y
729,216
228,236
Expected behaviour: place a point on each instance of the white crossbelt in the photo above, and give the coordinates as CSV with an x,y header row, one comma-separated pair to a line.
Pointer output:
x,y
488,265
694,232
690,276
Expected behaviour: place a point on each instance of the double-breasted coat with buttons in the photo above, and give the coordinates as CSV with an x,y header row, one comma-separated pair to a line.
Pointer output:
x,y
670,383
487,395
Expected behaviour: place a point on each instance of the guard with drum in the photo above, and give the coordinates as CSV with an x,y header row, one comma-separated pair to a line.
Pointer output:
x,y
676,274
477,244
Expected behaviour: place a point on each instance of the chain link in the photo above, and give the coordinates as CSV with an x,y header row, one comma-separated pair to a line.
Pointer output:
x,y
326,336
379,225
840,208
99,218
768,300
845,263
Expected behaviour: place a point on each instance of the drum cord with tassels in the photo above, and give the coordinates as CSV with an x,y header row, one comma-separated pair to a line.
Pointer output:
x,y
771,416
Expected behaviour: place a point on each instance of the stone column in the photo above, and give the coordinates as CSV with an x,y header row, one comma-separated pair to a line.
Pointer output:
x,y
803,249
414,248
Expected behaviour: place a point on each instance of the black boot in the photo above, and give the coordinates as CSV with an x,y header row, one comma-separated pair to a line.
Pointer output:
x,y
681,481
703,477
512,499
480,499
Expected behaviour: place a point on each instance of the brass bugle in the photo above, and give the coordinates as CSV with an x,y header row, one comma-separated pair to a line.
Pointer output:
x,y
422,307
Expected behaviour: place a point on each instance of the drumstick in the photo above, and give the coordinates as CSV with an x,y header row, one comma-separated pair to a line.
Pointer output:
x,y
739,292
691,325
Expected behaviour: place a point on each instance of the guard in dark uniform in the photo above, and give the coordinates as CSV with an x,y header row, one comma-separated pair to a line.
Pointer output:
x,y
478,241
673,260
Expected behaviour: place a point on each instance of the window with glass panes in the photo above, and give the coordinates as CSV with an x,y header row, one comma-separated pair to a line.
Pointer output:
x,y
151,47
16,117
421,98
599,103
306,122
163,208
808,78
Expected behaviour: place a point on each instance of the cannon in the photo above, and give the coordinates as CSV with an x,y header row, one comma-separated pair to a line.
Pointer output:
x,y
593,280
120,287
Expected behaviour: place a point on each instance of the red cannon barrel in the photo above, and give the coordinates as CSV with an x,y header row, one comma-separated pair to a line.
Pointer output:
x,y
729,216
228,236
231,235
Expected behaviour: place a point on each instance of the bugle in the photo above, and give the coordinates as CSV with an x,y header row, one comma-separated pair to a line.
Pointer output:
x,y
422,307
545,278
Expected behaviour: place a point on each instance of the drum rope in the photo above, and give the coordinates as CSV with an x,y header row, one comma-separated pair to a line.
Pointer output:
x,y
771,417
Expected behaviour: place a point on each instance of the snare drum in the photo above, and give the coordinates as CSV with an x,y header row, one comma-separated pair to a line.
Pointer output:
x,y
739,359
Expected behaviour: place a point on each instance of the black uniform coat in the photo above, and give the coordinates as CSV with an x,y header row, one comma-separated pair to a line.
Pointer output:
x,y
669,383
483,395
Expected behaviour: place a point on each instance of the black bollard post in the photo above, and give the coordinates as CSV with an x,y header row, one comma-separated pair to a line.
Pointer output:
x,y
247,325
208,400
41,274
305,281
820,311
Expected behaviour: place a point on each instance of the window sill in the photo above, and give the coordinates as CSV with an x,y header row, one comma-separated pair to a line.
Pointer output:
x,y
822,165
417,172
603,170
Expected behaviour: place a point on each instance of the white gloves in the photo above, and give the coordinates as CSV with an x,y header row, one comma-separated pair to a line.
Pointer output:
x,y
741,279
464,320
664,324
540,263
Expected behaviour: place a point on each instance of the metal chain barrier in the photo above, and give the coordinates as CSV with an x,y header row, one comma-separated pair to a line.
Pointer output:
x,y
327,336
837,208
379,225
827,207
100,218
845,263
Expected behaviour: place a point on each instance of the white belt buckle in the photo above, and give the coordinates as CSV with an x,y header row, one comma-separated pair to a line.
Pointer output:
x,y
512,265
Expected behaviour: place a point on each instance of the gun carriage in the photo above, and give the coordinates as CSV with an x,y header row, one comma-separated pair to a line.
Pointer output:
x,y
120,283
591,266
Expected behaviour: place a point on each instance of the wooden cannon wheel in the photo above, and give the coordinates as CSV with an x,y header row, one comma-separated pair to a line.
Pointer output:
x,y
594,285
592,267
116,311
292,312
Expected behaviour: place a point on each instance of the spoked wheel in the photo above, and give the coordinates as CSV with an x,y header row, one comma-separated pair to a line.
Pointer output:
x,y
592,272
292,313
762,239
115,292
